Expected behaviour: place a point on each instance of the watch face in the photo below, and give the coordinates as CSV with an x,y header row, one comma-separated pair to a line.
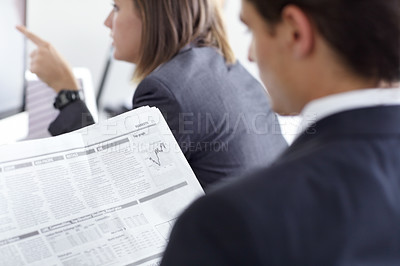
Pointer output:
x,y
65,97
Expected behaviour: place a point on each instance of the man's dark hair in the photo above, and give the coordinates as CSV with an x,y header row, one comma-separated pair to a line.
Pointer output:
x,y
365,33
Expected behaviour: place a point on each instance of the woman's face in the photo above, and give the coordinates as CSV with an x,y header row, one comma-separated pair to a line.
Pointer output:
x,y
125,24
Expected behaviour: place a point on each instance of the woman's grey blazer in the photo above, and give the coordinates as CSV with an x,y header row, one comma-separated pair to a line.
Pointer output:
x,y
218,113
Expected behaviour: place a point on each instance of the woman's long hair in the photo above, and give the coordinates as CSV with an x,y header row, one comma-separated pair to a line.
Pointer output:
x,y
170,25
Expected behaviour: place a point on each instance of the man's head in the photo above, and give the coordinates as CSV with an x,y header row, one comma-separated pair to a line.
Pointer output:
x,y
308,42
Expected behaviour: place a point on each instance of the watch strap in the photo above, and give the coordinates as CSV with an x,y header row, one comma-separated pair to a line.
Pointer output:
x,y
65,97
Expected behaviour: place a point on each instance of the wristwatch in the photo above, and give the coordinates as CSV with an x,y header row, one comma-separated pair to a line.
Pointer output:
x,y
65,97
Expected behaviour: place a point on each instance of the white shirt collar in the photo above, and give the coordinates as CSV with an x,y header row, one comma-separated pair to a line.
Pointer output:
x,y
332,104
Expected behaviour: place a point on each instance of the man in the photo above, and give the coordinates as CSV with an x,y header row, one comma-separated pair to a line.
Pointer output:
x,y
333,198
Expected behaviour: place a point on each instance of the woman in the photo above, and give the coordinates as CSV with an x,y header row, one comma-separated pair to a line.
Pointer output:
x,y
218,113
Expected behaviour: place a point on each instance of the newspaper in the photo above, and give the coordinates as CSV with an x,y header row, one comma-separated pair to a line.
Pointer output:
x,y
104,195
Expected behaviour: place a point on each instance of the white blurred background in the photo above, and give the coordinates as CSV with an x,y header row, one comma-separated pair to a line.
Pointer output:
x,y
76,29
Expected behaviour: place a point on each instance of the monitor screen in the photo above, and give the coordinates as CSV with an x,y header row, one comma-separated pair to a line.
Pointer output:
x,y
12,57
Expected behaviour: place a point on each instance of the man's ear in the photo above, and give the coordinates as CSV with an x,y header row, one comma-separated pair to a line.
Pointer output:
x,y
301,33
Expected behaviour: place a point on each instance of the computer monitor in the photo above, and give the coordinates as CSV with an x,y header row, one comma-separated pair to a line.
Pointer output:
x,y
12,54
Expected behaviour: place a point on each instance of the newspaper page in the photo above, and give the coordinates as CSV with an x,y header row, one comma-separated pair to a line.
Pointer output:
x,y
104,195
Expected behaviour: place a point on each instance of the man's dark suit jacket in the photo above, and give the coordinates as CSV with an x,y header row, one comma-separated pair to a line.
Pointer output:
x,y
219,114
333,198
